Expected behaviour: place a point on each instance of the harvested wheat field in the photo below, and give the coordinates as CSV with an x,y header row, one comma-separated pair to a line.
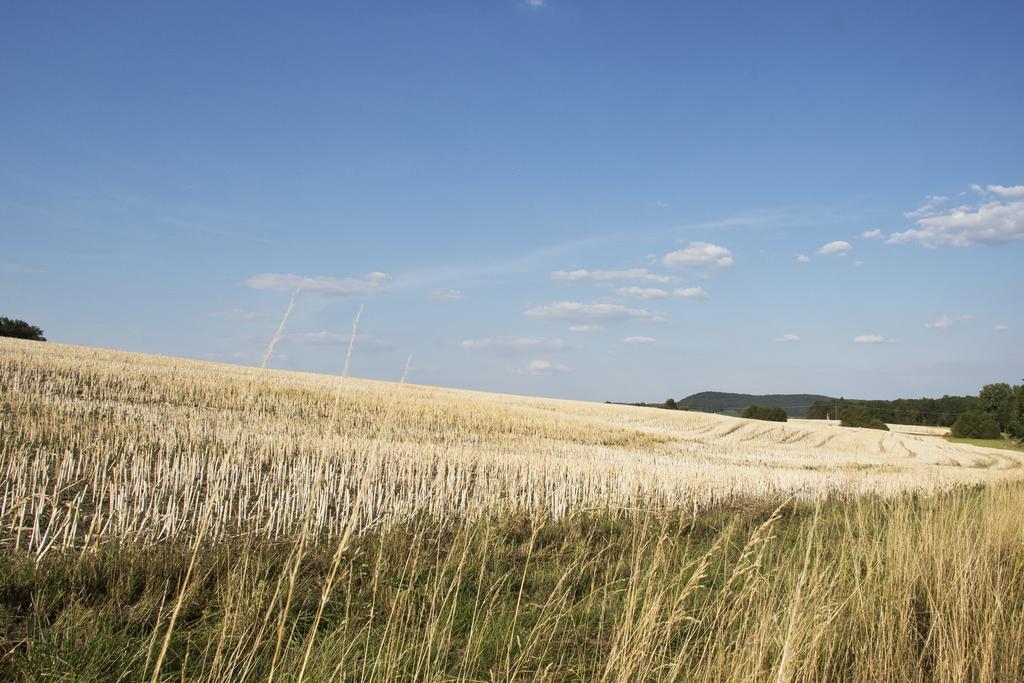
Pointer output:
x,y
168,520
103,444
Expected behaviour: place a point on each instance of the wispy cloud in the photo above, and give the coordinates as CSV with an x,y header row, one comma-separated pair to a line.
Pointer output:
x,y
542,367
587,328
517,344
929,208
447,295
583,274
944,322
872,234
1001,328
777,217
837,248
235,314
363,342
691,293
463,275
642,292
699,255
575,311
997,219
870,339
1003,191
803,258
535,3
371,283
642,341
788,338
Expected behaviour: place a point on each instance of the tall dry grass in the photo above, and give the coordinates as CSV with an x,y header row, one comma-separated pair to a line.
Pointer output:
x,y
899,589
175,520
100,445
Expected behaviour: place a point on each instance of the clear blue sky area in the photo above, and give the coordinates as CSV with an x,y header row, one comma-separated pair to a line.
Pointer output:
x,y
595,200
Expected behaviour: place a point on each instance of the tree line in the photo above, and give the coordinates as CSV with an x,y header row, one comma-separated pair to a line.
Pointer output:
x,y
938,412
19,329
997,409
1000,411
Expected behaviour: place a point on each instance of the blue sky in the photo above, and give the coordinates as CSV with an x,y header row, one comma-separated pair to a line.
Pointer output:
x,y
595,200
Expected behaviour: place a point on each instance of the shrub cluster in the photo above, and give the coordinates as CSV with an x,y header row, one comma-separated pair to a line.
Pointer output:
x,y
19,329
764,413
976,424
860,416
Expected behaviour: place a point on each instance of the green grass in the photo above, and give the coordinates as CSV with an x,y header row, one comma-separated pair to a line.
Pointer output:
x,y
867,589
1003,443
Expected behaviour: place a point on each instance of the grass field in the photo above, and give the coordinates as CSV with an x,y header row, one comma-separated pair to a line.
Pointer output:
x,y
1005,444
166,519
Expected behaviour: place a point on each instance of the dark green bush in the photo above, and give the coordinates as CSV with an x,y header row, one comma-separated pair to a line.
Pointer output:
x,y
860,416
976,424
19,329
999,401
764,413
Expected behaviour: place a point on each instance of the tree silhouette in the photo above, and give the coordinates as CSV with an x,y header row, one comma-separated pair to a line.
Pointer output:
x,y
20,329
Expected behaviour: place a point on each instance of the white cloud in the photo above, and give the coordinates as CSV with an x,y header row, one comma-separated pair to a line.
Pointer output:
x,y
235,314
541,367
364,342
858,263
941,323
1003,191
583,312
447,295
929,208
371,283
586,328
872,234
788,338
870,339
517,344
640,340
838,248
995,220
317,338
583,274
1001,328
699,255
642,292
535,3
803,258
691,293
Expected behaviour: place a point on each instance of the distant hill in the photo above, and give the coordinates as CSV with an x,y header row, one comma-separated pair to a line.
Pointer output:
x,y
905,411
795,405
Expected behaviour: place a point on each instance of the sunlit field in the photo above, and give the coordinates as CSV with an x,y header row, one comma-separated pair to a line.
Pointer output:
x,y
169,519
104,445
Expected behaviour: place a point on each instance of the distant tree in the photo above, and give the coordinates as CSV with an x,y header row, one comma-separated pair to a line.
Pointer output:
x,y
913,411
976,424
860,416
1016,427
19,329
998,400
764,413
670,404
